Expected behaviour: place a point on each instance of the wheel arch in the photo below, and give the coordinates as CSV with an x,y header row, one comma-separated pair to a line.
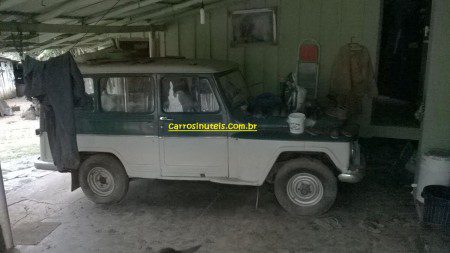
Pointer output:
x,y
84,155
285,156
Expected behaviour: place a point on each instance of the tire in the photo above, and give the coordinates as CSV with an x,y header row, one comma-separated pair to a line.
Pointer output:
x,y
103,179
305,187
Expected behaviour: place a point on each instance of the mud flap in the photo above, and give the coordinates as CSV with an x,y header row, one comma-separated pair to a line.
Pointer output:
x,y
75,180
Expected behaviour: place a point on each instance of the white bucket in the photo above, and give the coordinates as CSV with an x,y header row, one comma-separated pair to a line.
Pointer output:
x,y
296,122
434,169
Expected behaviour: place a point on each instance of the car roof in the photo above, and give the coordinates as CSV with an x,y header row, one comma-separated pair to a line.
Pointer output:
x,y
161,65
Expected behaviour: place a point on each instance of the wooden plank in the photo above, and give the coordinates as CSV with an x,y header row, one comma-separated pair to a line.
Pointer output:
x,y
254,64
270,71
309,19
203,37
235,54
187,37
254,57
329,35
172,43
372,28
352,21
219,34
288,12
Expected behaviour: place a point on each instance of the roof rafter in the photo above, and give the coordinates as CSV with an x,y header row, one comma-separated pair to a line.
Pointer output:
x,y
129,7
214,5
53,28
95,18
64,8
127,21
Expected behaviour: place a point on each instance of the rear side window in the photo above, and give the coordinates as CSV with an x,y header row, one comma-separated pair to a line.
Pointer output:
x,y
89,86
127,94
89,90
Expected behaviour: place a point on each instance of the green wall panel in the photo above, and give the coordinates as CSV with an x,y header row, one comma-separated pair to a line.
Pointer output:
x,y
288,12
219,34
331,22
203,38
187,37
309,19
171,39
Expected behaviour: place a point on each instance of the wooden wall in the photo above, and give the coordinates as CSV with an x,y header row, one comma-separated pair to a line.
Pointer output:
x,y
331,22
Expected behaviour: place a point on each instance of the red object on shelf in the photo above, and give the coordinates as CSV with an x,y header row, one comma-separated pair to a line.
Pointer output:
x,y
309,53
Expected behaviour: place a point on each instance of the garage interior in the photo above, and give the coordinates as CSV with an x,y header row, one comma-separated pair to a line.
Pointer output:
x,y
407,41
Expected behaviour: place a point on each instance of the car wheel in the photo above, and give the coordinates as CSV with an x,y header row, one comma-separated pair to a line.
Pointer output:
x,y
103,179
305,187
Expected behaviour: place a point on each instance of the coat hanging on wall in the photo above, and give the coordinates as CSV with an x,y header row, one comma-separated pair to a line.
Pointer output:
x,y
352,77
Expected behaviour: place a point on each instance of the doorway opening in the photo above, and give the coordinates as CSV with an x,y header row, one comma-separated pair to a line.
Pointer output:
x,y
402,61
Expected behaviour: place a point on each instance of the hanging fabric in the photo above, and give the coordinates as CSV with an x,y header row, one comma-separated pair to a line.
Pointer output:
x,y
59,87
352,77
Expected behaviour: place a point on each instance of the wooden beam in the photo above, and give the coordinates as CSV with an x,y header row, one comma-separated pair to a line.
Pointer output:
x,y
74,29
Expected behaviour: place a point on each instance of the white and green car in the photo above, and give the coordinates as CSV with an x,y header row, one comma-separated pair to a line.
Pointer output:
x,y
179,119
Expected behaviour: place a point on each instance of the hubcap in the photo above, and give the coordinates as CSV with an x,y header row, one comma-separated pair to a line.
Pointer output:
x,y
304,189
101,181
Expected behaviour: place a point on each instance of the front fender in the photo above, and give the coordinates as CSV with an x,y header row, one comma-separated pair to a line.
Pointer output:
x,y
339,154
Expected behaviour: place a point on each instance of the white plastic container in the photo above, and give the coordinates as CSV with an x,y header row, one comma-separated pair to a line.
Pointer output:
x,y
296,122
434,169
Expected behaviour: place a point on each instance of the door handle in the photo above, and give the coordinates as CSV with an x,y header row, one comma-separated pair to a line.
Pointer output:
x,y
165,118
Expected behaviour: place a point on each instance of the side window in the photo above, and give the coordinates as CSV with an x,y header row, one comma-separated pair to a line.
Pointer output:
x,y
89,90
187,94
89,86
127,94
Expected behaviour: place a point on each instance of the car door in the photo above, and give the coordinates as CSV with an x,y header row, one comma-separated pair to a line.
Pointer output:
x,y
124,123
191,100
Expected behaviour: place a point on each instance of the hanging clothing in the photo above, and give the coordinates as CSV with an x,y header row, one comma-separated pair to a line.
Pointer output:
x,y
352,78
58,85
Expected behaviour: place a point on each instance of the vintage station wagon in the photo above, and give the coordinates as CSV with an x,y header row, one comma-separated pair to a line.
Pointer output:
x,y
128,134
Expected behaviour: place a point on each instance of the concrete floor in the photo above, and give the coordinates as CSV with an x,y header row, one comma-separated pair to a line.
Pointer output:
x,y
220,218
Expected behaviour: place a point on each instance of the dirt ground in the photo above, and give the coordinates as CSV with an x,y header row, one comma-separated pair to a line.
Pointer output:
x,y
376,215
19,147
221,218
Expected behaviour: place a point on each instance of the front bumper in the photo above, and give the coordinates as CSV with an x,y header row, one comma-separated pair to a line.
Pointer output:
x,y
356,171
354,175
41,165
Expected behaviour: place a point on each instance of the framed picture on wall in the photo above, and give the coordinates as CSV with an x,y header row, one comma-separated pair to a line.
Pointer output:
x,y
253,26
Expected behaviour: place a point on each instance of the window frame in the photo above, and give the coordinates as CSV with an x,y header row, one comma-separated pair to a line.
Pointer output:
x,y
120,75
212,86
94,107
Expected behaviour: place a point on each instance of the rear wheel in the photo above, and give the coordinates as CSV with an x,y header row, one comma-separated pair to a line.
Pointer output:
x,y
103,179
305,187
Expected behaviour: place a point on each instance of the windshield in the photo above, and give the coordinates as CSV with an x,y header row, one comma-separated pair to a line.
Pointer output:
x,y
235,89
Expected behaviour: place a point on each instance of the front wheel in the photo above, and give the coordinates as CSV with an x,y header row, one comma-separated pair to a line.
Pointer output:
x,y
305,187
103,179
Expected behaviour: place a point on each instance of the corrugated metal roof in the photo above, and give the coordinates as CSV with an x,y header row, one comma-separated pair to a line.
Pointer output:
x,y
77,12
